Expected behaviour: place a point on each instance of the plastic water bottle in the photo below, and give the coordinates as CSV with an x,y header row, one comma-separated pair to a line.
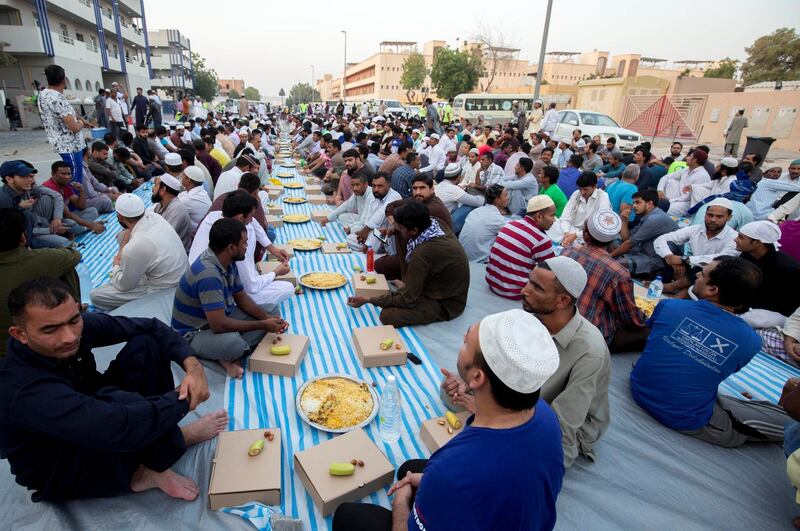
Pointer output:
x,y
85,281
370,259
655,288
390,413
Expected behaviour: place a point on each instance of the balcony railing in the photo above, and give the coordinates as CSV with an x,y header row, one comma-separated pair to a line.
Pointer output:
x,y
128,60
124,24
65,39
92,47
87,3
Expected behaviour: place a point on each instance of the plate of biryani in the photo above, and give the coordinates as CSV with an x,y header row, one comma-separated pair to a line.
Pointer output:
x,y
285,174
295,218
305,244
646,305
322,279
294,200
293,186
337,403
287,165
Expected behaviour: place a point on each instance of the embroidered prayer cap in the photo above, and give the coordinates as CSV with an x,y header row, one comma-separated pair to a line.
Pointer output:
x,y
569,273
170,181
604,225
729,162
518,349
539,202
129,206
194,173
452,170
173,159
764,231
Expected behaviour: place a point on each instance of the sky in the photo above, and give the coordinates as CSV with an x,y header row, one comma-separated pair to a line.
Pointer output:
x,y
272,45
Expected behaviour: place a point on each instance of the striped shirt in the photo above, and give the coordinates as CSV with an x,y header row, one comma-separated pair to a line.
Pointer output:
x,y
205,286
519,246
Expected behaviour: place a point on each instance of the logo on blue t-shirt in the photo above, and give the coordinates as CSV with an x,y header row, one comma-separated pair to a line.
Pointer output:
x,y
700,341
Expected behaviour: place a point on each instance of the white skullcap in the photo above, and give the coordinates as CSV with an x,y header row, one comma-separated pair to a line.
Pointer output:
x,y
604,225
580,143
170,181
729,162
173,159
518,349
475,150
194,174
451,147
569,273
415,131
180,126
764,231
452,170
435,135
539,202
556,139
723,202
129,206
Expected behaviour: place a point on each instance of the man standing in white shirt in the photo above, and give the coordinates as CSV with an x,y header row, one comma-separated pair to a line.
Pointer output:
x,y
436,157
582,204
715,237
151,256
116,119
194,198
382,195
229,180
677,186
550,120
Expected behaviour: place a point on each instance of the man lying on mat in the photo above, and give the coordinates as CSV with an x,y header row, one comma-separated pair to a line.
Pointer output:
x,y
512,443
434,269
69,431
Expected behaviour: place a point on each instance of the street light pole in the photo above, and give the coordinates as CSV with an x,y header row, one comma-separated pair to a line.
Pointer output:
x,y
344,71
312,82
540,68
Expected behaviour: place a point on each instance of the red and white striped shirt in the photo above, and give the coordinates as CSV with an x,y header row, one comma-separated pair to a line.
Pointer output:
x,y
519,246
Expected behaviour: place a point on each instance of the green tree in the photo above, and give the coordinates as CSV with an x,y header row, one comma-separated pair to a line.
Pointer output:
x,y
232,94
6,59
205,78
726,69
251,93
302,93
455,72
414,72
773,57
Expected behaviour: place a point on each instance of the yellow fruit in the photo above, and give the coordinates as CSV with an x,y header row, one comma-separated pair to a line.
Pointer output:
x,y
371,280
453,420
386,344
256,448
342,469
280,350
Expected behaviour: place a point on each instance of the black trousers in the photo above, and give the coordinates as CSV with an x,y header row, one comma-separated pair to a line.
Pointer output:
x,y
368,517
84,472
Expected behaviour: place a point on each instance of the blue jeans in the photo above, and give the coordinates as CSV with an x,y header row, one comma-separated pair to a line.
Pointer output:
x,y
791,438
271,233
459,216
49,241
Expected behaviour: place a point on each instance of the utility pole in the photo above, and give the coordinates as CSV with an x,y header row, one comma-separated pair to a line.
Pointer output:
x,y
344,72
312,82
540,68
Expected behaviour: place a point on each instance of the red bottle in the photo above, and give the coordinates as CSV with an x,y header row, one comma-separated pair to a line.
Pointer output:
x,y
370,259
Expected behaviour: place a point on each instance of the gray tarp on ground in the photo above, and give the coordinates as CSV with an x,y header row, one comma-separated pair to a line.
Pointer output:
x,y
646,475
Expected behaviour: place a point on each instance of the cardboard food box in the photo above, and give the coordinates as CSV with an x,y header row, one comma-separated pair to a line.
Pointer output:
x,y
313,189
274,194
275,210
288,248
368,340
332,248
274,188
328,491
274,221
270,267
319,215
434,435
263,361
317,199
238,478
363,289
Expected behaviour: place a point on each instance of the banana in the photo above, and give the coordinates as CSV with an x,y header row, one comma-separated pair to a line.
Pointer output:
x,y
386,344
371,280
341,469
256,448
452,420
280,350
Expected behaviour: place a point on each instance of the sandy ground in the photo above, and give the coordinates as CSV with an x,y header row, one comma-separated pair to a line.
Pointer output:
x,y
31,145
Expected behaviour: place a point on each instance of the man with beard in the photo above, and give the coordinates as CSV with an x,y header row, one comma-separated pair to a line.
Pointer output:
x,y
422,190
165,194
578,391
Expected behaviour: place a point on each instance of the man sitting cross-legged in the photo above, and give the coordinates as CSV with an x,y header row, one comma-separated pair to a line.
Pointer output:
x,y
69,431
211,308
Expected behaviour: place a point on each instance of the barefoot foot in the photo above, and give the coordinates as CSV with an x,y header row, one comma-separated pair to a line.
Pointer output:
x,y
168,482
205,428
233,368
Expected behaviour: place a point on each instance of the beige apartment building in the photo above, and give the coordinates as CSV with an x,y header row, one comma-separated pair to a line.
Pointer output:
x,y
224,86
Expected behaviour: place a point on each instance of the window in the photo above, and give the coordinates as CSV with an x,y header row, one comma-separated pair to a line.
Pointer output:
x,y
9,16
590,118
36,18
78,85
97,86
569,118
64,30
79,37
66,83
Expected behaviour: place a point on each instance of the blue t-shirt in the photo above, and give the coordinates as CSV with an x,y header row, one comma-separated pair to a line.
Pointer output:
x,y
693,346
621,192
486,479
568,180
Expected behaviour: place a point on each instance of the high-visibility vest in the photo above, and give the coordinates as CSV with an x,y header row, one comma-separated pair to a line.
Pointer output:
x,y
423,112
447,113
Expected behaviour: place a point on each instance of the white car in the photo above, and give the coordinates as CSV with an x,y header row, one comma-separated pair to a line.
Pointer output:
x,y
394,107
594,123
